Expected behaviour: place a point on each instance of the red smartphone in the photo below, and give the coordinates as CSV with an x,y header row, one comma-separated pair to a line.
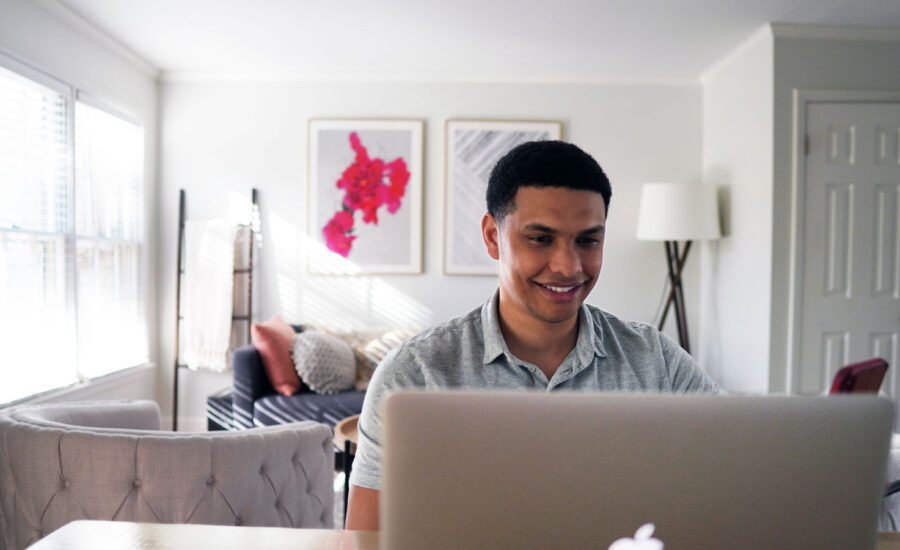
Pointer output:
x,y
863,377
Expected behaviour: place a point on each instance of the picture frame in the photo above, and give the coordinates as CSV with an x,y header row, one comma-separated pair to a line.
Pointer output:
x,y
473,147
365,196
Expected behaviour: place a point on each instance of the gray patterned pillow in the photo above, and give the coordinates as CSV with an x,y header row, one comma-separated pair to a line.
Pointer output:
x,y
325,362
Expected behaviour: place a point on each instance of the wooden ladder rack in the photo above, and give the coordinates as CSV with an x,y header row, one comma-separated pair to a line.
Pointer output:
x,y
178,315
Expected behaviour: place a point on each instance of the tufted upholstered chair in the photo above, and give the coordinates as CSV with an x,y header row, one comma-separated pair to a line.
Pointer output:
x,y
108,460
890,506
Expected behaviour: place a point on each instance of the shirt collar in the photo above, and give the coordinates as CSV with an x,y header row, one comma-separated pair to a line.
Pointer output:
x,y
589,343
494,344
590,337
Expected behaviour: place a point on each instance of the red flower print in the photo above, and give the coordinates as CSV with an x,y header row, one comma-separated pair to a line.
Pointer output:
x,y
365,190
336,233
399,177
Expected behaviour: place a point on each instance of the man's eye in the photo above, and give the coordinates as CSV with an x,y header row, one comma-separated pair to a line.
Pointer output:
x,y
541,239
587,241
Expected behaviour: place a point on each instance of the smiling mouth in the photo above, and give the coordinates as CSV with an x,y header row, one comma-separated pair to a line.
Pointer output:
x,y
560,289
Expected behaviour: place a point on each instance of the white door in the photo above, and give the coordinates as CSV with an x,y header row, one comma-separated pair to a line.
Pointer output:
x,y
851,259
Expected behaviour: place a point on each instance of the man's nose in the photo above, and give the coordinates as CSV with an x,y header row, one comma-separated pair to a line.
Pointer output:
x,y
565,260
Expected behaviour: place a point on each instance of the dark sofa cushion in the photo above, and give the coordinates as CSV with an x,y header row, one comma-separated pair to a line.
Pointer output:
x,y
249,383
329,409
219,411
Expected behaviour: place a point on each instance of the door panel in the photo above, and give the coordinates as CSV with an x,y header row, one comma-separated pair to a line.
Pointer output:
x,y
851,261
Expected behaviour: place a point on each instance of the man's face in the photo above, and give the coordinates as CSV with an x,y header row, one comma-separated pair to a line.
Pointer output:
x,y
550,250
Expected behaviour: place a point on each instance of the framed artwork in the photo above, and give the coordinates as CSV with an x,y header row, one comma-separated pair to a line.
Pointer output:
x,y
365,196
473,147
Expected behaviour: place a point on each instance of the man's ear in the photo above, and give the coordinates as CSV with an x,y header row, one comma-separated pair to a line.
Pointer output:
x,y
490,232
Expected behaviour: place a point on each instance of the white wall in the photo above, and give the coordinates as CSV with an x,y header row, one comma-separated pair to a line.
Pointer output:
x,y
736,270
747,150
59,45
814,59
219,139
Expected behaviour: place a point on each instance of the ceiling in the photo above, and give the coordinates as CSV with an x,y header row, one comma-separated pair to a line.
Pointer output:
x,y
627,40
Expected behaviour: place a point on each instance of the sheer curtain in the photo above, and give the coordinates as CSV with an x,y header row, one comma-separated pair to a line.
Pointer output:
x,y
72,300
108,230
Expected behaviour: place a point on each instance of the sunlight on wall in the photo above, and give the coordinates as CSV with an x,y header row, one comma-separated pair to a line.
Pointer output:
x,y
392,307
326,261
287,265
348,301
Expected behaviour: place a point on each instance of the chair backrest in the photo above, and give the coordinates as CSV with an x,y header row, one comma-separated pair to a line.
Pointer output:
x,y
107,461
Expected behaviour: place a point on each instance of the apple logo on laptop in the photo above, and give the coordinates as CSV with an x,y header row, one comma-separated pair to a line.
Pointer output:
x,y
643,540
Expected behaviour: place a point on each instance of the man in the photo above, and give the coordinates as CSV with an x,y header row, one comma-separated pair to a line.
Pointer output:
x,y
546,222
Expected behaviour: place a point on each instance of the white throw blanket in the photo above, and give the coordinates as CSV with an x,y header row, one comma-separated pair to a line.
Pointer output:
x,y
208,284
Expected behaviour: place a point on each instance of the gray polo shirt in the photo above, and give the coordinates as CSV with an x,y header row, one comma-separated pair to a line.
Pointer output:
x,y
470,352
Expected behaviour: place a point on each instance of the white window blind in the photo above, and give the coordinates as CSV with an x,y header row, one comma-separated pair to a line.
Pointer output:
x,y
108,222
71,248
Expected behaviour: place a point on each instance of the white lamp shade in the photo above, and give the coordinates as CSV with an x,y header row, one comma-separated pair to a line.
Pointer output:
x,y
678,212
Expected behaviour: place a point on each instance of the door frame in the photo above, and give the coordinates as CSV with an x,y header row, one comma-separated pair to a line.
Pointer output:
x,y
802,99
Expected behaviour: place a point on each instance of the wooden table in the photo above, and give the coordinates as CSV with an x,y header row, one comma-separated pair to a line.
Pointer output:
x,y
347,430
120,535
346,434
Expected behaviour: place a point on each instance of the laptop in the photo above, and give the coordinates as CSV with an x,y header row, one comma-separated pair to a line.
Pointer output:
x,y
483,470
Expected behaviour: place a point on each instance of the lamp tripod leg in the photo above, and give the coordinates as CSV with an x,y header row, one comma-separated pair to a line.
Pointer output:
x,y
675,262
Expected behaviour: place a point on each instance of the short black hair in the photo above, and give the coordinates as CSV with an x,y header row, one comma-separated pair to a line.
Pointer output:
x,y
543,164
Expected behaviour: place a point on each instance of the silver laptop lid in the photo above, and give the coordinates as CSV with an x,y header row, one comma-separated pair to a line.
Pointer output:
x,y
527,470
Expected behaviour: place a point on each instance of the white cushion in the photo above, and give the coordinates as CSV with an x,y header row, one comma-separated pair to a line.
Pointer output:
x,y
325,362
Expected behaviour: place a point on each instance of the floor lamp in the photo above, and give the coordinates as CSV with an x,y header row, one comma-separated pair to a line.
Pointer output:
x,y
673,212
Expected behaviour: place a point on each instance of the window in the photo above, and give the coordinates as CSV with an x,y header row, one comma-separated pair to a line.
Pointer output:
x,y
72,300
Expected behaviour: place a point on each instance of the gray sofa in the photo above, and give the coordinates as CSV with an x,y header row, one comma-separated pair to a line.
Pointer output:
x,y
108,460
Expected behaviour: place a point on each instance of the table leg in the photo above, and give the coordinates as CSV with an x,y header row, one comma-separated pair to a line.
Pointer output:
x,y
348,465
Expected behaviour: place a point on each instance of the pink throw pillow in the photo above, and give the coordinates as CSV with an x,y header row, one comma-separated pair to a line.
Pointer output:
x,y
274,340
